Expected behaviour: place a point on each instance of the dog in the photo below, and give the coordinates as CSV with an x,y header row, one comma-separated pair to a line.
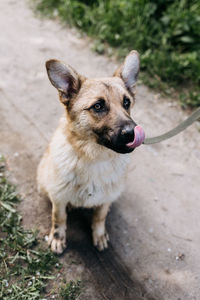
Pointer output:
x,y
88,155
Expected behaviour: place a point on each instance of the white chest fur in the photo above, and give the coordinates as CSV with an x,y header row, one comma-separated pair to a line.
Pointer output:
x,y
75,179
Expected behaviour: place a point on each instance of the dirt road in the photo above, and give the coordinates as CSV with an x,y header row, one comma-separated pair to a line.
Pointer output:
x,y
155,225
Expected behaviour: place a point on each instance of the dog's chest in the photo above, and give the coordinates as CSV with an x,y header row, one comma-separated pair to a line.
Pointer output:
x,y
93,183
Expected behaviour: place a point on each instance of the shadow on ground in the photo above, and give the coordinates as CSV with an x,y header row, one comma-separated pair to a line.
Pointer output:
x,y
111,277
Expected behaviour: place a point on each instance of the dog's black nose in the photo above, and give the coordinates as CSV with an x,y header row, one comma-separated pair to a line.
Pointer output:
x,y
127,133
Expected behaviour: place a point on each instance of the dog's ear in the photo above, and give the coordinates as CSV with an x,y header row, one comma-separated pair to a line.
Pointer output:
x,y
129,70
64,78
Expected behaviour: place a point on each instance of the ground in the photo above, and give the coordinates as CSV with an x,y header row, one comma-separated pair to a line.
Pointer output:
x,y
154,226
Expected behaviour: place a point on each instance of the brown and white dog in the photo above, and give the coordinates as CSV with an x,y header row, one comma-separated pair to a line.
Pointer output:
x,y
87,158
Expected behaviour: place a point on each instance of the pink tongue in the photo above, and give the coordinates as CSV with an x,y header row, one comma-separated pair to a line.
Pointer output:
x,y
138,139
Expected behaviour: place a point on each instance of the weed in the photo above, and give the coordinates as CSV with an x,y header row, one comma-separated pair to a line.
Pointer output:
x,y
190,98
71,290
26,268
166,33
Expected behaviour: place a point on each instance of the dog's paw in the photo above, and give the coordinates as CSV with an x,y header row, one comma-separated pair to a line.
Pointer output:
x,y
101,241
57,240
58,246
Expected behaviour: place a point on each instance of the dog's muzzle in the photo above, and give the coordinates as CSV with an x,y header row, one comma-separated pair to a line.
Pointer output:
x,y
124,140
129,136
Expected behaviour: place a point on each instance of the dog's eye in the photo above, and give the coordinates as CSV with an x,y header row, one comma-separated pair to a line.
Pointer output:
x,y
99,106
126,102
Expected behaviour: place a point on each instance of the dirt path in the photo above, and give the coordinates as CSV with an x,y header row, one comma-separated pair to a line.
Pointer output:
x,y
157,219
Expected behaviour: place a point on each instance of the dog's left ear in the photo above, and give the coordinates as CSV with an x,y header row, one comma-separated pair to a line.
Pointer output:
x,y
129,70
64,78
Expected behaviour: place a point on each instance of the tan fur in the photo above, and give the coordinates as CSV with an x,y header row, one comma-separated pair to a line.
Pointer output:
x,y
100,236
76,169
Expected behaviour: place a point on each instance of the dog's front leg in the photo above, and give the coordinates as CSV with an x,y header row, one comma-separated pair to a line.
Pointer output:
x,y
57,237
99,234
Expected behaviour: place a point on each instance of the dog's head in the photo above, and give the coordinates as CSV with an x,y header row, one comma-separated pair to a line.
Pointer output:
x,y
99,109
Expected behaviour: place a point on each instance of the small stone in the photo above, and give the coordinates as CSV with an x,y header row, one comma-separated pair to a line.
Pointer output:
x,y
46,238
29,283
5,282
180,256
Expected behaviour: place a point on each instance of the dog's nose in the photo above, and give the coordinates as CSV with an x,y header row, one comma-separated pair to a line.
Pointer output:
x,y
127,133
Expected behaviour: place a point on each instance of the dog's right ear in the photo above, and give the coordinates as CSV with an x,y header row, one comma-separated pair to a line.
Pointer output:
x,y
64,78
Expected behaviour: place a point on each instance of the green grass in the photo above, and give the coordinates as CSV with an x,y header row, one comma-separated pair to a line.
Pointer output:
x,y
71,290
27,267
165,32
